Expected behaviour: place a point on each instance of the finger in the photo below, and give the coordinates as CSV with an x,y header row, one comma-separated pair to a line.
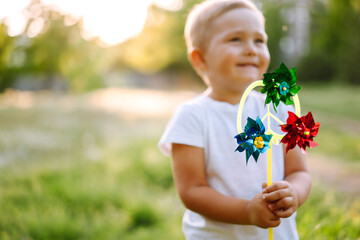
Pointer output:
x,y
275,222
269,214
284,213
277,195
263,185
276,186
270,223
285,202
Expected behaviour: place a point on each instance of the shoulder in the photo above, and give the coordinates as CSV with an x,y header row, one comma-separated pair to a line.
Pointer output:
x,y
196,102
185,126
192,107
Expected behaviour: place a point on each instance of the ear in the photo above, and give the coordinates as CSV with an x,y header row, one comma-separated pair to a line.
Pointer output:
x,y
197,60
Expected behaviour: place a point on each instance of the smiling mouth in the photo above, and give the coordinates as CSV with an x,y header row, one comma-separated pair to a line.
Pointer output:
x,y
246,65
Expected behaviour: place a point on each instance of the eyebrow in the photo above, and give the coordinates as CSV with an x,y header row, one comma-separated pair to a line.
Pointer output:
x,y
242,32
263,34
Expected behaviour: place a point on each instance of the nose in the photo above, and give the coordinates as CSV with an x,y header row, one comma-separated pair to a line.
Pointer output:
x,y
249,49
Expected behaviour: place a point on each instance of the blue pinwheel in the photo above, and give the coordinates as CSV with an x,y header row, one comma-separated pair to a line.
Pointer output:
x,y
253,139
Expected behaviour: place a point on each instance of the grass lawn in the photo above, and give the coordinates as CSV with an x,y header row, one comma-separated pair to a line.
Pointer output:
x,y
337,109
84,175
76,174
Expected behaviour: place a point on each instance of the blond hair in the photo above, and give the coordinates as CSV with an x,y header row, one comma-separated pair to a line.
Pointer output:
x,y
201,16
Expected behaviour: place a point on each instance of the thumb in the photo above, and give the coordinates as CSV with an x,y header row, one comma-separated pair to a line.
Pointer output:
x,y
263,185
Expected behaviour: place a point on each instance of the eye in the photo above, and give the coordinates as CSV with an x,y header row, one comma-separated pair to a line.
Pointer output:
x,y
235,39
259,40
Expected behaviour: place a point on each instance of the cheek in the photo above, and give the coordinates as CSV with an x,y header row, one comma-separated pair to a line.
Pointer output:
x,y
223,60
265,60
229,57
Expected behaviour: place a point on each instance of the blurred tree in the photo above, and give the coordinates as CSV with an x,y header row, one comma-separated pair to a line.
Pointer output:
x,y
48,53
275,29
345,21
160,42
60,51
160,46
7,72
334,42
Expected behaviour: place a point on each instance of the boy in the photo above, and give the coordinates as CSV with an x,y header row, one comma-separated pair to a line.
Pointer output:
x,y
224,197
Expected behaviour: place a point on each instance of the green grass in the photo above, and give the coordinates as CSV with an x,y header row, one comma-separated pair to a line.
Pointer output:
x,y
75,174
328,214
84,175
332,100
337,109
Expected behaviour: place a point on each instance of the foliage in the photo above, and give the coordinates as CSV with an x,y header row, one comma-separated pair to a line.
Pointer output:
x,y
329,215
273,26
7,71
59,50
79,180
53,55
161,41
334,42
160,47
334,108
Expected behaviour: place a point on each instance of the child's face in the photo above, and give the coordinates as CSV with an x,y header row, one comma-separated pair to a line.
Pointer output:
x,y
237,52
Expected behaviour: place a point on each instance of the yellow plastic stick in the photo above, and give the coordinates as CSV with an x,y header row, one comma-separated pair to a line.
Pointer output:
x,y
276,138
271,234
269,180
242,101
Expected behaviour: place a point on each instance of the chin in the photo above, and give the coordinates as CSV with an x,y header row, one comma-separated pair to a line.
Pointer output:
x,y
249,79
249,75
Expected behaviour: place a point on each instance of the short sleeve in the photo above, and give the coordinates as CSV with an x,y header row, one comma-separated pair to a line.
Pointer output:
x,y
185,127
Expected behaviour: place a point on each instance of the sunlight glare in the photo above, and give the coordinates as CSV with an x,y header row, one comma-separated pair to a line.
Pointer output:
x,y
16,24
13,7
10,14
35,27
171,5
112,21
116,21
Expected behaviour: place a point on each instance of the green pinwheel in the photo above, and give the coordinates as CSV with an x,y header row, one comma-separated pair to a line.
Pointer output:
x,y
253,139
280,86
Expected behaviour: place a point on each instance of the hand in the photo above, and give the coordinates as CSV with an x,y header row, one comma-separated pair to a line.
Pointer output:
x,y
260,215
281,199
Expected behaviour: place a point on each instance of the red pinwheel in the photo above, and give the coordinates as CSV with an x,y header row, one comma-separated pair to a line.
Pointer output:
x,y
300,131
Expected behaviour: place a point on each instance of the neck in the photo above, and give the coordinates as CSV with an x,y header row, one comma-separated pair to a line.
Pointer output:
x,y
232,97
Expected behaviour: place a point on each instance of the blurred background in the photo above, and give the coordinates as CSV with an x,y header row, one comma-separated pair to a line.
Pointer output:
x,y
87,87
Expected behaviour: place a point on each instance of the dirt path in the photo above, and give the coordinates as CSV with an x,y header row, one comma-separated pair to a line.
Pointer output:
x,y
342,177
135,103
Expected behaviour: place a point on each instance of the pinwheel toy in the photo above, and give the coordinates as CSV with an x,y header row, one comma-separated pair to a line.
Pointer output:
x,y
280,86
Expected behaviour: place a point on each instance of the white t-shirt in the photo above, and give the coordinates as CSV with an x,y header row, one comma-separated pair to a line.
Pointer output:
x,y
210,124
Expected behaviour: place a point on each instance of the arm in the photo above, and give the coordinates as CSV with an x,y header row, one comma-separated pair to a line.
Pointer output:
x,y
192,186
286,196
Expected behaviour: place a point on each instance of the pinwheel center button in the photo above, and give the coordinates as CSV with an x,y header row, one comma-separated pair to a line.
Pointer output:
x,y
259,142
